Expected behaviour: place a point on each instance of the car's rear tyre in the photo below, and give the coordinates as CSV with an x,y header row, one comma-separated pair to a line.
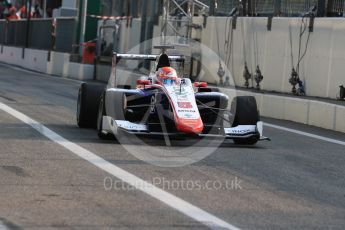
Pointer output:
x,y
88,102
246,113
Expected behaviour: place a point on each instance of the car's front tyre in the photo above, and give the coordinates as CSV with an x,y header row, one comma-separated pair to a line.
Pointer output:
x,y
87,106
246,113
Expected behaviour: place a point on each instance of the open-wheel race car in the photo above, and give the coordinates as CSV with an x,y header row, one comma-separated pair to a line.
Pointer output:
x,y
164,104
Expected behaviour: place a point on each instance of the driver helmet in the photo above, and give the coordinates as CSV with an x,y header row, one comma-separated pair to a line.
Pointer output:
x,y
166,75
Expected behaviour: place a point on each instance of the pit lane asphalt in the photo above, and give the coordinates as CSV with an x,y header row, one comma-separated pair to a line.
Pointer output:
x,y
293,182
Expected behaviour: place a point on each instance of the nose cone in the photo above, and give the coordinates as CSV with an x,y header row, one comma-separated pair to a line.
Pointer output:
x,y
190,125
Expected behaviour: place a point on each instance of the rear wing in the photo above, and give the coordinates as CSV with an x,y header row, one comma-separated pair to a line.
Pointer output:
x,y
146,57
160,59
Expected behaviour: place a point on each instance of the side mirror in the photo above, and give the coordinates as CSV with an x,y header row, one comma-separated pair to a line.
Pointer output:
x,y
143,82
200,84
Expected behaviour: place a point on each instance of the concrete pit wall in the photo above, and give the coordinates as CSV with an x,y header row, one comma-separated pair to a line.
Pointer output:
x,y
322,69
38,60
304,111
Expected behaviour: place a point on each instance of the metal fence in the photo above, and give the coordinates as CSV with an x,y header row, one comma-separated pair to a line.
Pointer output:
x,y
16,33
296,7
2,31
42,34
277,7
336,8
65,34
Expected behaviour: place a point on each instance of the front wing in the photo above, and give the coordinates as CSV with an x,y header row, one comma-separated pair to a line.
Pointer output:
x,y
242,131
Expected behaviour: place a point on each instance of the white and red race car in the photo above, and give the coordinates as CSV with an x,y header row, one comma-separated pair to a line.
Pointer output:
x,y
162,103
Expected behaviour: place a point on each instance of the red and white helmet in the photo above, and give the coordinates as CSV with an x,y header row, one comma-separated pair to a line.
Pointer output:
x,y
166,75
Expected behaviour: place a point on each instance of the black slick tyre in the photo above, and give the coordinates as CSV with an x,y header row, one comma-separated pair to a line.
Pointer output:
x,y
88,102
246,113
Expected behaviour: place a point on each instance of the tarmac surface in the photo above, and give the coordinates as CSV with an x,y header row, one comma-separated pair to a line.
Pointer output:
x,y
292,182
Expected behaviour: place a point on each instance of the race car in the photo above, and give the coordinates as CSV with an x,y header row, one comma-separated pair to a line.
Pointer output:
x,y
164,104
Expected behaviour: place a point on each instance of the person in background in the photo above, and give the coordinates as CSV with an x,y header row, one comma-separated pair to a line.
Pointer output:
x,y
3,9
37,12
49,12
23,12
13,14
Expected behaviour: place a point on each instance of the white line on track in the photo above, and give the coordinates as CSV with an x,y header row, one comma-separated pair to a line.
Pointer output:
x,y
174,202
2,226
305,134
